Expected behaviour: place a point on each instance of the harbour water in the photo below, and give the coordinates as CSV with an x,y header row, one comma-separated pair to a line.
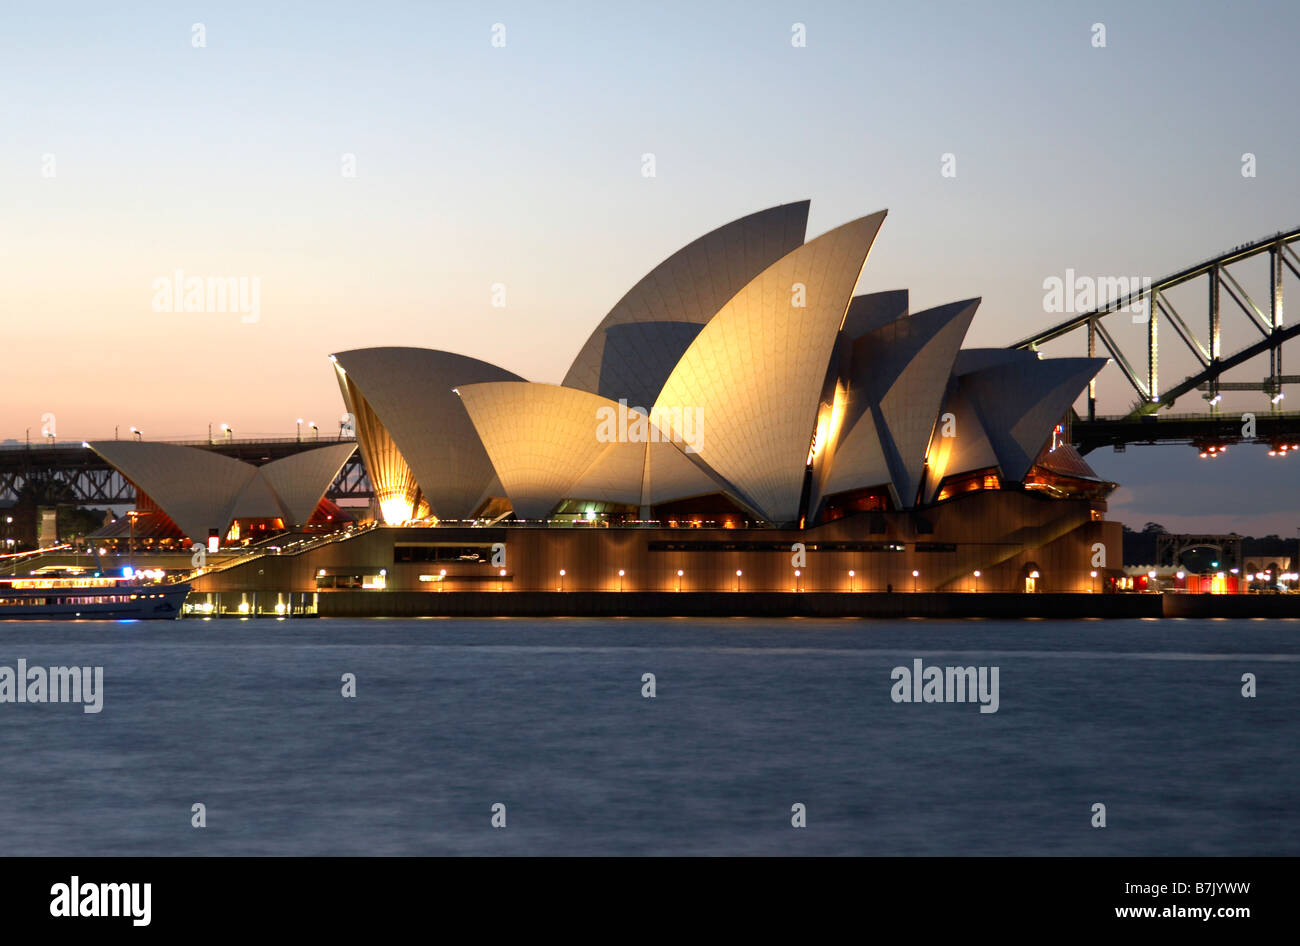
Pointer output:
x,y
749,718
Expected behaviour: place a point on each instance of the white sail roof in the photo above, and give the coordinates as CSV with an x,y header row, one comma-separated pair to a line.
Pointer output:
x,y
870,311
413,429
1019,403
550,443
636,346
200,490
297,479
758,367
958,444
542,438
897,377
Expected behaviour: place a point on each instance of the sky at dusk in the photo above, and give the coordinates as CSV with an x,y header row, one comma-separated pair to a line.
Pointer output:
x,y
130,154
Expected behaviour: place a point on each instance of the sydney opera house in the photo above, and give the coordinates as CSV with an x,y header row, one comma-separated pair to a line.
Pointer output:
x,y
740,420
738,400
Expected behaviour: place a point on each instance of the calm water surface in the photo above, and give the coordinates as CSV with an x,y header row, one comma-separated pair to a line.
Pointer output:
x,y
751,717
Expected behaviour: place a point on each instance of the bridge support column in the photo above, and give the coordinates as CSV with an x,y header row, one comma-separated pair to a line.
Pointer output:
x,y
1153,347
1275,260
1092,384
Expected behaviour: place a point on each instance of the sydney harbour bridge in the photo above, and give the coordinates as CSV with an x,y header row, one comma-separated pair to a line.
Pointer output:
x,y
1227,310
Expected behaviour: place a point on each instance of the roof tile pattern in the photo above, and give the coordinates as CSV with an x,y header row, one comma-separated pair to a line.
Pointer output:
x,y
542,438
688,287
758,366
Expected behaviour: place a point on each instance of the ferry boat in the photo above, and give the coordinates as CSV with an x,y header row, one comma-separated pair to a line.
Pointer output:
x,y
89,598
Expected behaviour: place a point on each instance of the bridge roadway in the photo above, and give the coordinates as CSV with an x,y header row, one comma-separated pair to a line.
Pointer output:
x,y
1270,428
68,472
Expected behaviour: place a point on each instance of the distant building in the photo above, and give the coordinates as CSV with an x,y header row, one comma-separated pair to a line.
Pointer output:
x,y
1196,562
1271,555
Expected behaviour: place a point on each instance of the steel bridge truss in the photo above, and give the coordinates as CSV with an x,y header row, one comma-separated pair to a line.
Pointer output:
x,y
87,484
1156,307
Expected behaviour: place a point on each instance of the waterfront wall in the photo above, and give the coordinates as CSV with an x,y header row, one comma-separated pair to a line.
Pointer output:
x,y
986,605
357,604
1231,606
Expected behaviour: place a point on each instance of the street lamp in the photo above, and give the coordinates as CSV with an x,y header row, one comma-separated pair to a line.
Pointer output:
x,y
300,430
1092,585
228,431
679,579
797,575
136,431
620,579
501,585
915,575
737,579
315,431
130,541
852,581
442,578
977,581
561,579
